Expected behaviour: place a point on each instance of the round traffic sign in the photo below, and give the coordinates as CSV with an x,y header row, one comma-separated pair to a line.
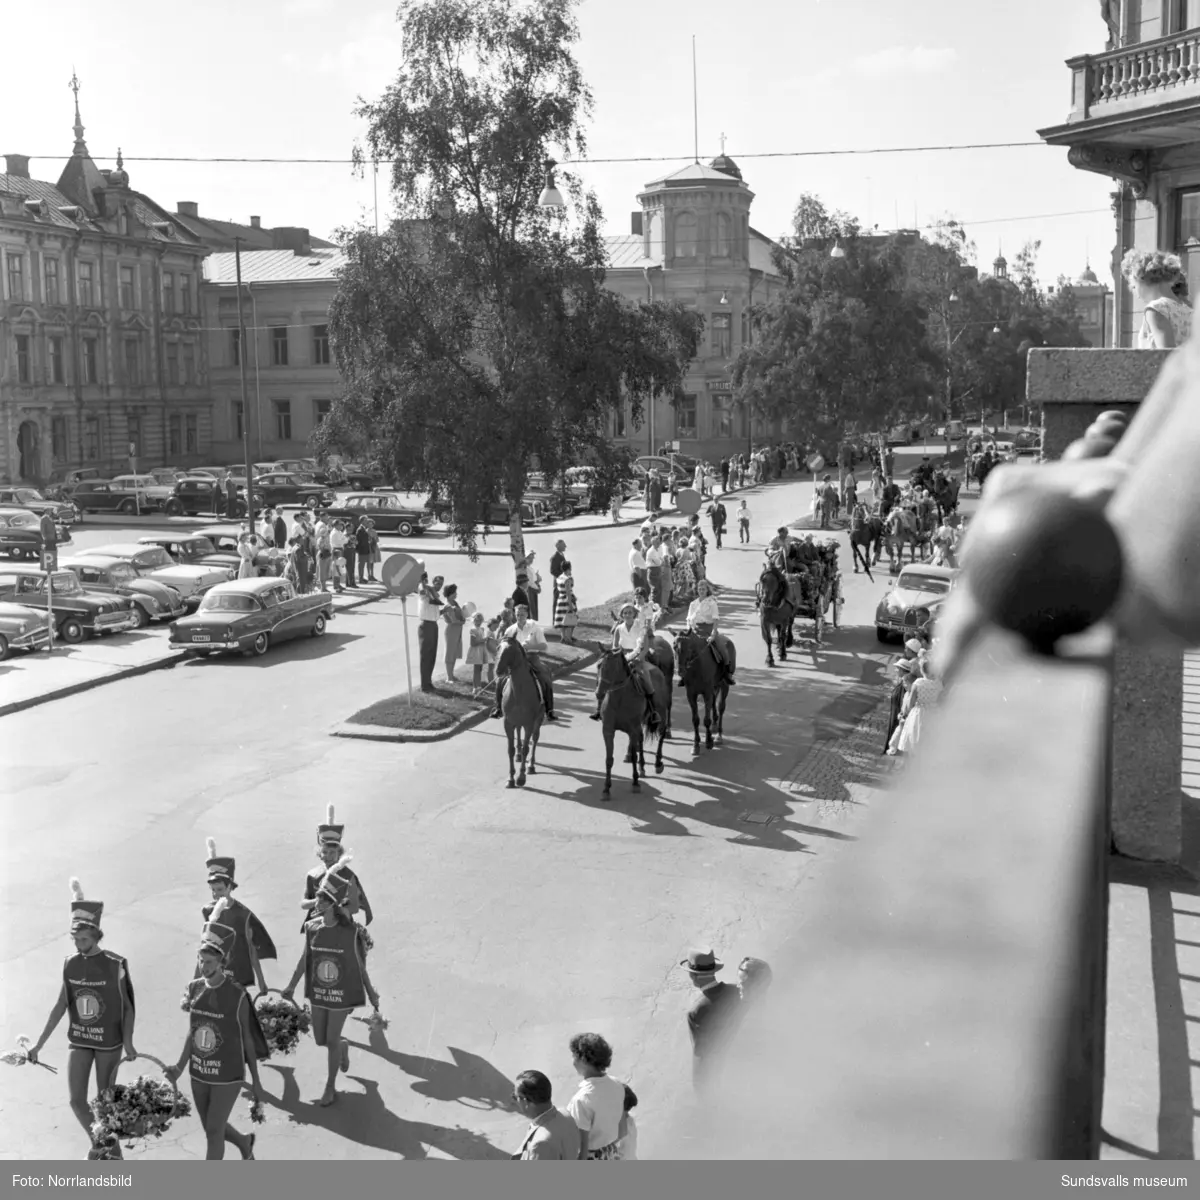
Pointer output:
x,y
688,501
402,573
816,462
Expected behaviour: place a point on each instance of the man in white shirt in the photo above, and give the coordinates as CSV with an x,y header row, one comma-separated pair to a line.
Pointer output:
x,y
321,536
702,617
743,520
533,640
637,566
427,629
337,543
655,559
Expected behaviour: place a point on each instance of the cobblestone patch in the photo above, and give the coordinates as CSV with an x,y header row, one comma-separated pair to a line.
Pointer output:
x,y
842,772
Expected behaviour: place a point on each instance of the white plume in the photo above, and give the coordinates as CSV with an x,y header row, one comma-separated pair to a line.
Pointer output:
x,y
76,889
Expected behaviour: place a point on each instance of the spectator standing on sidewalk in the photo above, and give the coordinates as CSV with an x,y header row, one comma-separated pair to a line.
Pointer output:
x,y
552,1135
743,520
638,577
362,550
324,552
452,615
655,560
350,551
719,516
337,544
558,559
711,1018
427,630
599,1103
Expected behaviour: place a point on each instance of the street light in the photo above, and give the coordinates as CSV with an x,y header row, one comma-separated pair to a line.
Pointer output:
x,y
724,300
837,251
551,197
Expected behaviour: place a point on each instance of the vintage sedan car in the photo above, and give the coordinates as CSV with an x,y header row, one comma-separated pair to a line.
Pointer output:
x,y
147,490
389,512
494,516
202,495
22,628
284,487
31,500
912,602
190,580
152,599
21,533
193,548
250,615
77,612
103,495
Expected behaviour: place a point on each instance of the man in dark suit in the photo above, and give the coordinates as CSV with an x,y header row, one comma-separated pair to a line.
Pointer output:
x,y
711,1018
558,559
903,671
279,531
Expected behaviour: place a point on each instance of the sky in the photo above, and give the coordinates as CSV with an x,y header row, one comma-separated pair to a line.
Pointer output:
x,y
252,79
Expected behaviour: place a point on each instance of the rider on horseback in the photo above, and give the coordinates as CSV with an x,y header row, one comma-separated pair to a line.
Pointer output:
x,y
533,640
631,635
702,617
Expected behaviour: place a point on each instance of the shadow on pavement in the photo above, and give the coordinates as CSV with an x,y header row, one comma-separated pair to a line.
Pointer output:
x,y
294,649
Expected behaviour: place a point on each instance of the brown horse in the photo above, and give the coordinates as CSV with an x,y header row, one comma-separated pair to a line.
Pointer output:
x,y
625,709
866,537
776,611
701,675
521,704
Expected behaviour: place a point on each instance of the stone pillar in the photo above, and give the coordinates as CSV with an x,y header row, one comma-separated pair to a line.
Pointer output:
x,y
1074,387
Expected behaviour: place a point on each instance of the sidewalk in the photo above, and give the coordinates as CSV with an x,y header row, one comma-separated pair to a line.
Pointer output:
x,y
27,680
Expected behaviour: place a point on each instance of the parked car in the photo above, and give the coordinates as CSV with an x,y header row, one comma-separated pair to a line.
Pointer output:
x,y
306,466
202,496
103,495
650,462
250,615
283,487
351,475
145,488
210,472
22,628
495,515
152,599
193,548
190,580
77,475
389,512
21,533
912,602
31,500
77,612
167,476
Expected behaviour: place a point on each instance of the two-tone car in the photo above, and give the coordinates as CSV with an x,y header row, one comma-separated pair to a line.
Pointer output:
x,y
153,600
21,533
387,509
77,612
22,628
248,616
149,493
912,602
31,500
225,540
190,580
193,548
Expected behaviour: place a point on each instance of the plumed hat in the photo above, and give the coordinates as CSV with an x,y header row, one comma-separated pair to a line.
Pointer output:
x,y
216,936
85,914
220,870
329,832
335,883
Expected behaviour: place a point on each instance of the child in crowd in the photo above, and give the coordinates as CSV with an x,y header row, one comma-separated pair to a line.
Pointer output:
x,y
628,1127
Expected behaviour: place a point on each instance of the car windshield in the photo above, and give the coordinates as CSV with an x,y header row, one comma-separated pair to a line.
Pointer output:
x,y
121,573
919,582
25,495
228,602
19,520
198,545
154,556
301,477
66,583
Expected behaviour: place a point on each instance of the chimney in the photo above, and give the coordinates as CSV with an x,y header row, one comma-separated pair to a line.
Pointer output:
x,y
291,238
635,223
256,222
17,164
188,208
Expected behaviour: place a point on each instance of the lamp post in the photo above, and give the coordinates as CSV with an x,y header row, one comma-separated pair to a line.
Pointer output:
x,y
237,258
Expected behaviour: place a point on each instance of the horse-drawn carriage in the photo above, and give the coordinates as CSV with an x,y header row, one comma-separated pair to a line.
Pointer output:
x,y
808,584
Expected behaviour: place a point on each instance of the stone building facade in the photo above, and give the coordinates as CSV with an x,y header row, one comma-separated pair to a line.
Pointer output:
x,y
101,355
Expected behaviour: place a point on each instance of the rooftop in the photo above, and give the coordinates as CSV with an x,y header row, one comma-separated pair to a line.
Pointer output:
x,y
696,173
274,266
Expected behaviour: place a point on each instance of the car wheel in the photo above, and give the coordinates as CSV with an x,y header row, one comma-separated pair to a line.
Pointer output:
x,y
882,634
71,631
127,507
173,508
319,625
3,647
260,645
405,529
143,617
312,503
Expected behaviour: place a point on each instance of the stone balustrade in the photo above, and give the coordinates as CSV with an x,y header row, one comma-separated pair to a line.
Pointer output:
x,y
1132,76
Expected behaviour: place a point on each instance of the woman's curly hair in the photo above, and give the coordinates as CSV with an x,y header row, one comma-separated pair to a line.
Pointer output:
x,y
592,1049
1152,266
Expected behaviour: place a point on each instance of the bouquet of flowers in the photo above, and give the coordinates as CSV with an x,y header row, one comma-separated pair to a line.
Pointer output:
x,y
144,1108
283,1023
257,1116
20,1056
365,940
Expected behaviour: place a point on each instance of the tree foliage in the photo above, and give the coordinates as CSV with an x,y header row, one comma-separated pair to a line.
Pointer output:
x,y
475,335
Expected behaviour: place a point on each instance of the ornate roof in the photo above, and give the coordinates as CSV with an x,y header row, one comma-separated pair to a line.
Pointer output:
x,y
726,166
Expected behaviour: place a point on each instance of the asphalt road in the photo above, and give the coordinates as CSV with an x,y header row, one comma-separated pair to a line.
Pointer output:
x,y
506,920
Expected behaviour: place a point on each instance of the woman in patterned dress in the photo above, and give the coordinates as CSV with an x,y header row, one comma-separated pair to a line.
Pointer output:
x,y
1159,279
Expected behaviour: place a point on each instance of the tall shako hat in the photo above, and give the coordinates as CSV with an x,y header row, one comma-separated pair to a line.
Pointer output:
x,y
220,870
216,936
335,883
329,832
85,914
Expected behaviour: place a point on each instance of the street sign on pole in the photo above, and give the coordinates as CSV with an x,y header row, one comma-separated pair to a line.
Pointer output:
x,y
401,576
49,565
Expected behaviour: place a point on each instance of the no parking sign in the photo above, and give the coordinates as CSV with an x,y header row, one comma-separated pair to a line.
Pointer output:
x,y
401,575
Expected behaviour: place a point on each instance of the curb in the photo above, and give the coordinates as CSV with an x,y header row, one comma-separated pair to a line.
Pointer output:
x,y
159,664
376,733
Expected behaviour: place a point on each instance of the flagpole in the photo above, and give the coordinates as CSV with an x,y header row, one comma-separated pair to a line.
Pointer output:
x,y
695,102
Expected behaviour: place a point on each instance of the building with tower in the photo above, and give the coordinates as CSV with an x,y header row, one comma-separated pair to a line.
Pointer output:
x,y
101,358
1093,303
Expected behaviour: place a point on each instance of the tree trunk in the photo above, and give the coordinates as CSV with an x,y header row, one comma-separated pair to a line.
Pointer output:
x,y
516,539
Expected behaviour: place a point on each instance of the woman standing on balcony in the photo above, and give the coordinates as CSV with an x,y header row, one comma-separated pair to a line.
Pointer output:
x,y
1160,282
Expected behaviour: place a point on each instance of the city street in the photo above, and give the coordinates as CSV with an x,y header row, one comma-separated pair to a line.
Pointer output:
x,y
505,920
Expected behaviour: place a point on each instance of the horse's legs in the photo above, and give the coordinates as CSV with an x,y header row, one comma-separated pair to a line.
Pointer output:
x,y
722,697
608,759
635,752
709,705
522,751
533,741
511,752
766,634
692,700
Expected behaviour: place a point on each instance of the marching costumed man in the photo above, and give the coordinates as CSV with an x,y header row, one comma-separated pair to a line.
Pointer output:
x,y
98,994
329,850
334,969
253,942
224,1038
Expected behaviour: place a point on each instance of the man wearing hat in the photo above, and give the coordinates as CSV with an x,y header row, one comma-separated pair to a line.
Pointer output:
x,y
329,850
533,640
97,994
905,672
427,630
253,943
710,1019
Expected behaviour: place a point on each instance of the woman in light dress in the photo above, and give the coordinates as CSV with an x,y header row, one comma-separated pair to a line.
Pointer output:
x,y
246,553
922,695
1161,287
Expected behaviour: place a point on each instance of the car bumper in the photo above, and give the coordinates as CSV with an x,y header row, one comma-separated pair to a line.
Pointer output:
x,y
170,614
901,622
115,624
30,641
187,643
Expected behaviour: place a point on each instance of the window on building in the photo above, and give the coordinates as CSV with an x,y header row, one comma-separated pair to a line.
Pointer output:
x,y
722,416
321,345
1181,15
50,269
91,372
1187,209
685,417
133,362
191,430
283,420
57,370
685,235
87,284
189,363
16,276
745,326
618,422
172,362
24,365
279,346
127,298
722,335
175,435
185,293
239,420
321,410
91,438
58,439
723,236
235,347
133,428
168,290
